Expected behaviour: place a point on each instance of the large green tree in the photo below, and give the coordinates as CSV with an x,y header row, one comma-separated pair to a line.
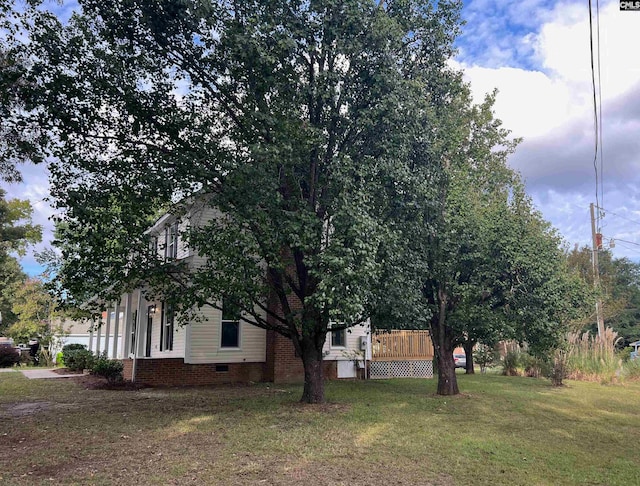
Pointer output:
x,y
18,138
33,306
480,263
11,277
17,231
301,122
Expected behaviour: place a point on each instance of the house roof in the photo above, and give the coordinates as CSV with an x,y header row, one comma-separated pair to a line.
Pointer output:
x,y
159,223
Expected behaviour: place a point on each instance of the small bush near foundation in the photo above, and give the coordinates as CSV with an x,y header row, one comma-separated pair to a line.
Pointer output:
x,y
108,368
72,347
78,359
8,356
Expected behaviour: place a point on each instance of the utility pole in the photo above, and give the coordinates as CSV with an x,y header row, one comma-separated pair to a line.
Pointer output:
x,y
596,271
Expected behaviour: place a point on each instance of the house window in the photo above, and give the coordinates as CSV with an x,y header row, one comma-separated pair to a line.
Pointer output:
x,y
339,338
230,329
153,247
171,241
167,328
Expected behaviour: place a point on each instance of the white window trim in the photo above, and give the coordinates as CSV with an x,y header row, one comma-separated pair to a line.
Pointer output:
x,y
231,348
344,333
171,241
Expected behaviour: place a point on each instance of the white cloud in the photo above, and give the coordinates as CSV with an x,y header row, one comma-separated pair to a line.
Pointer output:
x,y
529,103
550,104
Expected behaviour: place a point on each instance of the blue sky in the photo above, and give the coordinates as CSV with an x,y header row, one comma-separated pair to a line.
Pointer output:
x,y
536,52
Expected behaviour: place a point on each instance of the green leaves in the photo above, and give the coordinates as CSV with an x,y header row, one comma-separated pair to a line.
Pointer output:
x,y
300,125
16,229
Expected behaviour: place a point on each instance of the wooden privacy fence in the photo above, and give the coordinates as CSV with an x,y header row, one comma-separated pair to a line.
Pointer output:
x,y
401,354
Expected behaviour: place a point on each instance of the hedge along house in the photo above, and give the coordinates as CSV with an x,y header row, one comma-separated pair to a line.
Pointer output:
x,y
213,346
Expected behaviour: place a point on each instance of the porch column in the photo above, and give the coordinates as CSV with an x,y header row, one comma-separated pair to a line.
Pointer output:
x,y
115,331
91,336
142,303
126,333
99,337
108,331
138,346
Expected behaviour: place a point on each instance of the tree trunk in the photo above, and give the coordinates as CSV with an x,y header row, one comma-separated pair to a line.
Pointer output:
x,y
313,372
468,352
443,345
447,381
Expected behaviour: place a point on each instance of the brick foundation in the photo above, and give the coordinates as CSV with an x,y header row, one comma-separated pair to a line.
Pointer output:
x,y
175,372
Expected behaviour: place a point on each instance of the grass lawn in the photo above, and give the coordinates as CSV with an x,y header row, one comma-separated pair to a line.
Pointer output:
x,y
501,430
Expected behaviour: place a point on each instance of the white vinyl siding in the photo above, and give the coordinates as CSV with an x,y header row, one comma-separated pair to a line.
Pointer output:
x,y
197,218
183,249
353,334
179,336
204,341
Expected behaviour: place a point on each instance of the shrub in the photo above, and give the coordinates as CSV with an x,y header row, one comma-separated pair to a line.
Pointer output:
x,y
8,356
108,368
485,356
510,363
631,370
78,359
625,354
45,358
534,367
72,346
59,359
75,356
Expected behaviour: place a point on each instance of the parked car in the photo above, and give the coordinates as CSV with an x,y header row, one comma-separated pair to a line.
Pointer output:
x,y
460,360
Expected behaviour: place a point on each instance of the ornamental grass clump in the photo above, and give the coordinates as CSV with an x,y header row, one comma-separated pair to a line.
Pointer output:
x,y
511,363
593,358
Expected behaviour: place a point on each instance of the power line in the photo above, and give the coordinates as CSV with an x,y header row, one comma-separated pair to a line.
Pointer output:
x,y
625,241
634,250
620,216
597,109
600,105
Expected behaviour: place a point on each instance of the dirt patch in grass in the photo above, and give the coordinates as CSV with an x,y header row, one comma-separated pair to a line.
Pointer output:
x,y
91,382
327,408
66,371
25,408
